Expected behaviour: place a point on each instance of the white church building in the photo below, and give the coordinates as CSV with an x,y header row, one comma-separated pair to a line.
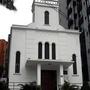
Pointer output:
x,y
44,51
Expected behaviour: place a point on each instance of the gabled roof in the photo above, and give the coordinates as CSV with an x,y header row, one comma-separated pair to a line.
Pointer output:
x,y
33,26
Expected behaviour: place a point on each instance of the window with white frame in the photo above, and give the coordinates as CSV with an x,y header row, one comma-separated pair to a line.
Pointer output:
x,y
74,64
40,50
46,17
17,64
53,51
46,51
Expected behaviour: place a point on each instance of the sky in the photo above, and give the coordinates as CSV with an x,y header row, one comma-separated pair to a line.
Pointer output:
x,y
23,16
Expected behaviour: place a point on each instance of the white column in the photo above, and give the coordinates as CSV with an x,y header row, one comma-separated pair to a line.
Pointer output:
x,y
43,51
50,51
61,77
38,74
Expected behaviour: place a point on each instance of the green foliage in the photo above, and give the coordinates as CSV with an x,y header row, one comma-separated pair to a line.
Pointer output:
x,y
30,86
67,86
85,86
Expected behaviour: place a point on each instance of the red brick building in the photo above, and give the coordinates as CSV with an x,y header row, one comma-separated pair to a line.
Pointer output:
x,y
3,50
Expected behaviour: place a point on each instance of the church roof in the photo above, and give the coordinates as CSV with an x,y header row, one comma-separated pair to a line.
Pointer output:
x,y
33,26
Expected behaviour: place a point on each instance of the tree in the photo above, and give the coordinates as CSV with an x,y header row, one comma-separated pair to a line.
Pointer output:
x,y
3,86
8,4
67,86
30,86
85,86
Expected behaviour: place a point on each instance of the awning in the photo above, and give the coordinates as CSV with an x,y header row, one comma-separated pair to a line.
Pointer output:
x,y
66,64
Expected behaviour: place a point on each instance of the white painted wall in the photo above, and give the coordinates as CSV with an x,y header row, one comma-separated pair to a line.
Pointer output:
x,y
26,41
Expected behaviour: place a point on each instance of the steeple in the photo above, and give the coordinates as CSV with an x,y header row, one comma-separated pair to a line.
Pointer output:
x,y
45,12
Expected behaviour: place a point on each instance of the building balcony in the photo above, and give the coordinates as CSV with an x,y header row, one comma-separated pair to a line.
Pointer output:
x,y
69,11
52,2
79,7
76,27
80,20
48,63
74,3
75,16
88,10
89,27
78,0
70,22
68,1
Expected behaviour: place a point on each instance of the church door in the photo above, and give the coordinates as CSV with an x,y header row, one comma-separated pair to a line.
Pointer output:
x,y
48,80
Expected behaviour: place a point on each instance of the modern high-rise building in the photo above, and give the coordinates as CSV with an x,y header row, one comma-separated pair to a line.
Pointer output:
x,y
75,14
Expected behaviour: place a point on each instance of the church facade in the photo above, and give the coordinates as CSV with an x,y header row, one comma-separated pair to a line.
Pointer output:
x,y
44,51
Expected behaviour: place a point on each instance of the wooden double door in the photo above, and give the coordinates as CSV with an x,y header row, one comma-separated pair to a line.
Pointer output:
x,y
49,80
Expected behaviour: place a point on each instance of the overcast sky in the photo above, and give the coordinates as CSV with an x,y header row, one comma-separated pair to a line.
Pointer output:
x,y
22,16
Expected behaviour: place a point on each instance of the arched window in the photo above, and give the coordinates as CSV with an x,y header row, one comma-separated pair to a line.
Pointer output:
x,y
53,51
46,17
40,50
74,64
17,64
46,50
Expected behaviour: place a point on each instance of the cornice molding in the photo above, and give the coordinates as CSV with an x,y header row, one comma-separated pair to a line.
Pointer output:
x,y
22,27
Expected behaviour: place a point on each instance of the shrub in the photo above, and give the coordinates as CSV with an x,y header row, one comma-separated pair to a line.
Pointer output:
x,y
30,86
67,86
85,86
3,86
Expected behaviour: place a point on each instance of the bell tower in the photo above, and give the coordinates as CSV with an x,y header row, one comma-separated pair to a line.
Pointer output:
x,y
45,12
